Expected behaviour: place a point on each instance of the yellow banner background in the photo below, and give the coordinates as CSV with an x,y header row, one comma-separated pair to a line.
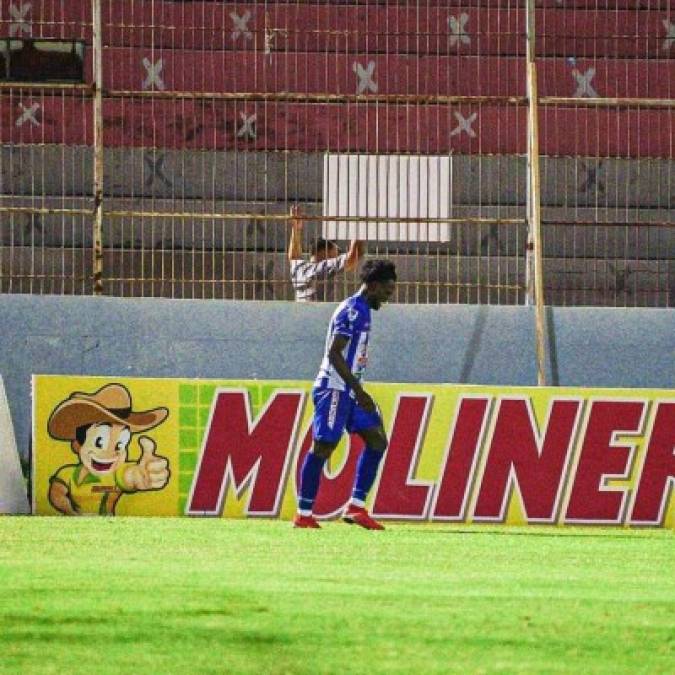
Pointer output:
x,y
180,436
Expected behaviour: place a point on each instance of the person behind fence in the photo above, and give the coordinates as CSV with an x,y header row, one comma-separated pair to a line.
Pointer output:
x,y
325,260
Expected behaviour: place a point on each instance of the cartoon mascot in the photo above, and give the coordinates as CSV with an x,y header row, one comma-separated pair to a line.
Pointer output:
x,y
99,427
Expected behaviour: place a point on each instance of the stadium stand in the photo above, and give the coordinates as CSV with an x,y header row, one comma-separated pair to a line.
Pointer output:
x,y
317,77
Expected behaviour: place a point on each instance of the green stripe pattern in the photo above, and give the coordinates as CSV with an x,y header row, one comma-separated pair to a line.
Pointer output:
x,y
195,402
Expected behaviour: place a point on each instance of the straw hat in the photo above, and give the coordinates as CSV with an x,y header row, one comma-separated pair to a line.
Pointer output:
x,y
111,403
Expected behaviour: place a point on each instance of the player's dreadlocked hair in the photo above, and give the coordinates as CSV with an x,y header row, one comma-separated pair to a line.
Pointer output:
x,y
378,270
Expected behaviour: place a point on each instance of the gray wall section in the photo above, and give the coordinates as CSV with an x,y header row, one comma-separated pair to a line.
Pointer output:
x,y
206,176
561,236
281,340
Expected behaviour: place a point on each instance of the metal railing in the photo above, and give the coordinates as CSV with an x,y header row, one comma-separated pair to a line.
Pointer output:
x,y
171,170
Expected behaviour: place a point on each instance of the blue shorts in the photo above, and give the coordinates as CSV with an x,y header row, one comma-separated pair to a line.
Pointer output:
x,y
335,411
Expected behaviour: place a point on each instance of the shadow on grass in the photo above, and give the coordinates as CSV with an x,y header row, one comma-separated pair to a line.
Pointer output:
x,y
53,633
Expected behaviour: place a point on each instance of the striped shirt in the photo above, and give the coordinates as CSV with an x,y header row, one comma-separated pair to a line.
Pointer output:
x,y
304,274
350,320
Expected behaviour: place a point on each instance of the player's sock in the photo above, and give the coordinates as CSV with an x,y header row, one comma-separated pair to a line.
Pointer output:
x,y
366,470
310,476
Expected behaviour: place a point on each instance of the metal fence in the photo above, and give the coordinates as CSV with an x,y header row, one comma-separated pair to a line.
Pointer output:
x,y
154,148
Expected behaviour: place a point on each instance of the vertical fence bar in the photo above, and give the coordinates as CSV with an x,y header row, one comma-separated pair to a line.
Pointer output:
x,y
529,249
97,46
534,249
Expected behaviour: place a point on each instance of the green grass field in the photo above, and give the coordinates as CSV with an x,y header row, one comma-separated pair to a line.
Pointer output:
x,y
207,595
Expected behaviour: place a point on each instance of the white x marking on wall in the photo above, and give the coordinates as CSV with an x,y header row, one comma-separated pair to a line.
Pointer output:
x,y
28,115
247,130
670,35
584,86
153,80
458,30
19,15
365,75
464,124
240,24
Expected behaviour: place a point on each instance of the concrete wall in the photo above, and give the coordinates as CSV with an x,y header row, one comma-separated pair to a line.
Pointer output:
x,y
212,339
626,261
177,175
561,237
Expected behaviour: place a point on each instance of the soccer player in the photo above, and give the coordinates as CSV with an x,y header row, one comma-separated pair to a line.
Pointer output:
x,y
340,402
325,261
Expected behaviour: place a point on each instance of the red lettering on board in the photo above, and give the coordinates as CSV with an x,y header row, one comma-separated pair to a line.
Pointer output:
x,y
451,496
335,487
236,450
517,455
658,471
599,459
397,494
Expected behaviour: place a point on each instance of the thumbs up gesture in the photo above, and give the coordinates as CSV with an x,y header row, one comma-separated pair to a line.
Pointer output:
x,y
151,472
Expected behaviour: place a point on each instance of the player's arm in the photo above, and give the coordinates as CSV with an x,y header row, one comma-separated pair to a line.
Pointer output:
x,y
295,243
355,253
337,360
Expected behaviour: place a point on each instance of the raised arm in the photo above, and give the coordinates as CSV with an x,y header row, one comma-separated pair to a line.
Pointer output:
x,y
295,243
355,253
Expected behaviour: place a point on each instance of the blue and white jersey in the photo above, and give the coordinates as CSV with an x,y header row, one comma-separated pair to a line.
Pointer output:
x,y
352,320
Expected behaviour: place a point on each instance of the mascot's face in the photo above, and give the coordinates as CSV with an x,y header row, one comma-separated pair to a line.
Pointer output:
x,y
105,447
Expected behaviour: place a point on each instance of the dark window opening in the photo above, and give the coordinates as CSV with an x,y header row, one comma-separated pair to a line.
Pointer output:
x,y
41,60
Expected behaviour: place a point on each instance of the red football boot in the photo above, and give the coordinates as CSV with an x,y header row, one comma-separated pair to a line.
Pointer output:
x,y
309,522
359,516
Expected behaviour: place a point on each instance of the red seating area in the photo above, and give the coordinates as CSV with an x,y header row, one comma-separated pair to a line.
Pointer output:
x,y
580,29
397,29
376,49
356,128
304,73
